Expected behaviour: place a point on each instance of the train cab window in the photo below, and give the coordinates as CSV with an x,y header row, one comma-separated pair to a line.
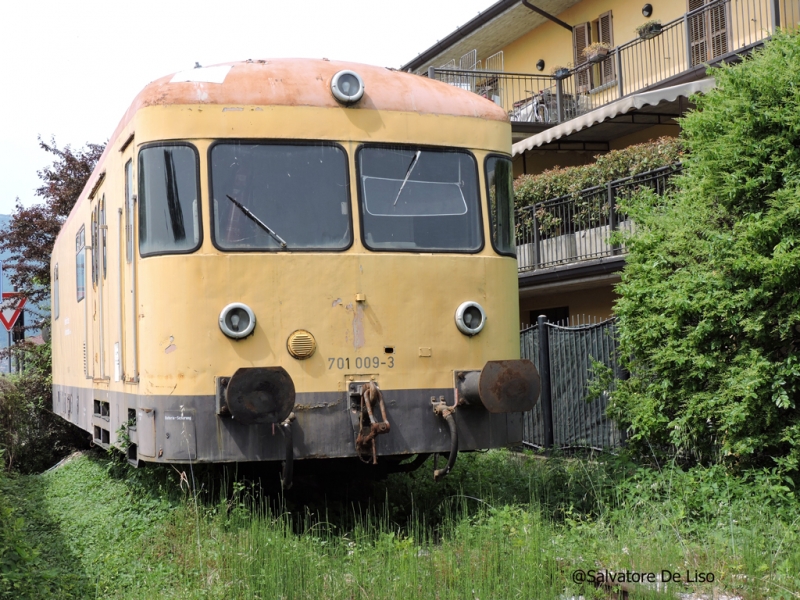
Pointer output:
x,y
272,197
419,199
500,181
80,263
169,218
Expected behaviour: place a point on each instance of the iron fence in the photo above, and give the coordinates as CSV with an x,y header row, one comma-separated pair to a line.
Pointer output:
x,y
565,416
578,226
705,35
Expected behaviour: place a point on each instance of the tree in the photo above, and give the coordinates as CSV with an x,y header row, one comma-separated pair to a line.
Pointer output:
x,y
30,234
709,314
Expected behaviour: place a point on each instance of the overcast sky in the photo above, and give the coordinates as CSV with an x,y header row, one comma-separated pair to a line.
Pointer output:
x,y
71,69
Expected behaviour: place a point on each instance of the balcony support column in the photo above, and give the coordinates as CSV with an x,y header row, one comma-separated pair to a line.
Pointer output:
x,y
431,72
618,59
559,100
687,34
612,217
536,249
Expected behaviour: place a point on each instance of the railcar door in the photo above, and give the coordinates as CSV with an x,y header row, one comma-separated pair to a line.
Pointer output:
x,y
127,275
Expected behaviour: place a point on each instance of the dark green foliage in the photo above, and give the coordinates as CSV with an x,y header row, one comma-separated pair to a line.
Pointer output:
x,y
709,314
32,437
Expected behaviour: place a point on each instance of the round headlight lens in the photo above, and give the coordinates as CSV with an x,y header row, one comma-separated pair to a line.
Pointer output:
x,y
237,320
470,318
347,87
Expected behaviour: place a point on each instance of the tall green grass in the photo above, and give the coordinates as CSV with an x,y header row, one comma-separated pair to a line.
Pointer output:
x,y
505,525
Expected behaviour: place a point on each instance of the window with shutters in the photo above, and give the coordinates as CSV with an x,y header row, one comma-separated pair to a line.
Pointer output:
x,y
582,37
605,33
583,34
708,30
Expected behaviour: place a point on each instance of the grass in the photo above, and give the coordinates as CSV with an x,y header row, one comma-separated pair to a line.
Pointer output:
x,y
504,526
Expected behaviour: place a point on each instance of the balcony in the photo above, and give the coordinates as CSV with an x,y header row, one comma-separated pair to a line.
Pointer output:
x,y
676,53
577,227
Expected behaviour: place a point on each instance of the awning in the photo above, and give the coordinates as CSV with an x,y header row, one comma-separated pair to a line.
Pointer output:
x,y
609,111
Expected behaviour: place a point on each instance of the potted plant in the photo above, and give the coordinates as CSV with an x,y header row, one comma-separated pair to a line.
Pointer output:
x,y
559,72
597,52
649,29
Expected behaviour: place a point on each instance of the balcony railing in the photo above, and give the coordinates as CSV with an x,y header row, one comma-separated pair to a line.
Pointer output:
x,y
711,32
577,227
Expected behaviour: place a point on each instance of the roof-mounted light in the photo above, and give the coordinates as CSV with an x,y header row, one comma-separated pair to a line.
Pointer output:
x,y
347,87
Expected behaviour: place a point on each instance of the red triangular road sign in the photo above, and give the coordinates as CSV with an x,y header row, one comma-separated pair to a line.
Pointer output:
x,y
12,305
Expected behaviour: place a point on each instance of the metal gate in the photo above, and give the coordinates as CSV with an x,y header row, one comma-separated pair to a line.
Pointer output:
x,y
563,417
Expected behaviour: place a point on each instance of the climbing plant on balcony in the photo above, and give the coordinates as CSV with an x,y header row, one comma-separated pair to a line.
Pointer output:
x,y
709,314
561,181
591,209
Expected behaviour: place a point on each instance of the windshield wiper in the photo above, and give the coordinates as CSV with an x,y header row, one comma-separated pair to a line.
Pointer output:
x,y
408,174
258,221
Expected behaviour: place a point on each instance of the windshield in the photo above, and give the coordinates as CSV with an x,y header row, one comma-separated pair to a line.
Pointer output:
x,y
419,199
280,197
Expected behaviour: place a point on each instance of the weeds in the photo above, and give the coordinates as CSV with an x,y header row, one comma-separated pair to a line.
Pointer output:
x,y
506,525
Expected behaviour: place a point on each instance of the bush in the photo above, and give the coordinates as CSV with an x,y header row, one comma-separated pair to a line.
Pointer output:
x,y
32,436
709,314
530,189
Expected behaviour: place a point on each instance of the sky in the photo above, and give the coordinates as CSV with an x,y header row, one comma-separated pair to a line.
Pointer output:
x,y
71,69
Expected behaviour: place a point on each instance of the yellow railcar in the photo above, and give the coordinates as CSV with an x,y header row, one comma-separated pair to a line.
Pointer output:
x,y
293,259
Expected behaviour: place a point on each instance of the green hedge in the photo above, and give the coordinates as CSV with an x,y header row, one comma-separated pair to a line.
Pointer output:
x,y
530,189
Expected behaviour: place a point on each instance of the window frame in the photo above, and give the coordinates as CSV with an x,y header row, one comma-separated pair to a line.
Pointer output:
x,y
140,175
423,147
55,293
279,142
489,208
129,209
80,243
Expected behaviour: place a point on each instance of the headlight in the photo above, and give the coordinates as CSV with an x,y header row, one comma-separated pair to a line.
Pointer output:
x,y
347,87
237,320
470,318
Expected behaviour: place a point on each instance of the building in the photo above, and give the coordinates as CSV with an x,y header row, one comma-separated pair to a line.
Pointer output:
x,y
580,78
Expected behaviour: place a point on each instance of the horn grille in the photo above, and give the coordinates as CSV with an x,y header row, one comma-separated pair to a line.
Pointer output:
x,y
301,344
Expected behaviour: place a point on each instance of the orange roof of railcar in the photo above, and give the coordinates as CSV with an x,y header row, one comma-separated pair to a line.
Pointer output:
x,y
307,82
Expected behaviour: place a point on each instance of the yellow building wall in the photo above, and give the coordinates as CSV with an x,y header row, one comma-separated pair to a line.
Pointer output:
x,y
595,303
553,43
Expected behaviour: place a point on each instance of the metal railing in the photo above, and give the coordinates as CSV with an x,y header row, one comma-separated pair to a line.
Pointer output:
x,y
577,226
702,36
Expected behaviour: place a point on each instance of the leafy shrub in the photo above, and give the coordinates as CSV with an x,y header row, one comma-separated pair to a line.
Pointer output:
x,y
709,314
560,181
32,436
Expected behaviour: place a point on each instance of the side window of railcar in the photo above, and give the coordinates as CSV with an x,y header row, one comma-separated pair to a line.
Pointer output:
x,y
103,231
268,196
500,183
169,217
419,199
80,263
55,292
94,246
129,211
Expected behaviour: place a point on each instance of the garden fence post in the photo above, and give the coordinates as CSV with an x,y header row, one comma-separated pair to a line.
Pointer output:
x,y
544,374
776,15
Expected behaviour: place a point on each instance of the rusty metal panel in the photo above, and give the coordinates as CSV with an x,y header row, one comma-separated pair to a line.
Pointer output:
x,y
179,435
146,429
509,386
